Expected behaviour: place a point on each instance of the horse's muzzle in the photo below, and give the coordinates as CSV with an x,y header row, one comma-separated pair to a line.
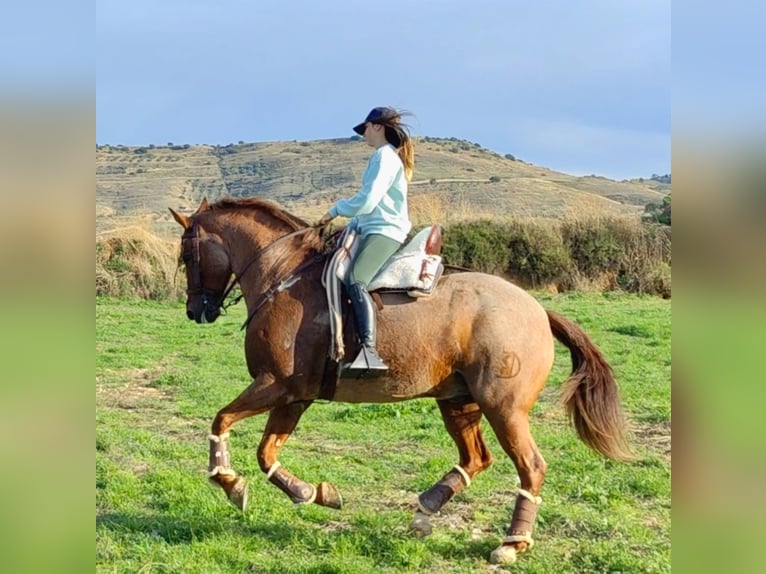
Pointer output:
x,y
206,310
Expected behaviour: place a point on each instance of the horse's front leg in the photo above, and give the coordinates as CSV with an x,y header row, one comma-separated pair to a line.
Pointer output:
x,y
260,396
282,422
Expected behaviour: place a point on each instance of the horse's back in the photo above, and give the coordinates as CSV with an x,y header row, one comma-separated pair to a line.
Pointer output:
x,y
473,322
482,298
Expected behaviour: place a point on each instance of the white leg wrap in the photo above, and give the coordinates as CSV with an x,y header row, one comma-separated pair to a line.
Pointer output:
x,y
274,468
464,474
529,496
222,471
311,499
422,510
527,537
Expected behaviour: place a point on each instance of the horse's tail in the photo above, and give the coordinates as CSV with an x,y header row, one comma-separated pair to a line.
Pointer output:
x,y
590,394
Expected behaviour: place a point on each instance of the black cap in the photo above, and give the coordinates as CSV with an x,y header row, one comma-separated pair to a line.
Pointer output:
x,y
376,116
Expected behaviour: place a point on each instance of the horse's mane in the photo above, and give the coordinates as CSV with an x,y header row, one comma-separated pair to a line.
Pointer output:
x,y
311,239
263,205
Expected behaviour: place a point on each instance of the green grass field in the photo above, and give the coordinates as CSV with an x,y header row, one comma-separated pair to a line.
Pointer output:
x,y
160,379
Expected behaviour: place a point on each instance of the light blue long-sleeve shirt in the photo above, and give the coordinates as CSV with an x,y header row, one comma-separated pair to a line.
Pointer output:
x,y
380,206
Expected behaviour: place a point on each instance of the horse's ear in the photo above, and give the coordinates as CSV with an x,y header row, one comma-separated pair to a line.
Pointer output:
x,y
182,219
203,206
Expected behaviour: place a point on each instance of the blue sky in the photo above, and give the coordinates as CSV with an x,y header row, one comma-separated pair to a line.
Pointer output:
x,y
581,87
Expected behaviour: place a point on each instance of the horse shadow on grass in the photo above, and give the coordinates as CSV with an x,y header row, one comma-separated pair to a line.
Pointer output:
x,y
379,544
461,549
179,530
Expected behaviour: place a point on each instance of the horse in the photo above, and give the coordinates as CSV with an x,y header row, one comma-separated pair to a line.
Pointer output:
x,y
479,345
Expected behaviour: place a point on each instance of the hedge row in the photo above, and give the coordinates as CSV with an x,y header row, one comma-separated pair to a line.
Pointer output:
x,y
596,254
583,254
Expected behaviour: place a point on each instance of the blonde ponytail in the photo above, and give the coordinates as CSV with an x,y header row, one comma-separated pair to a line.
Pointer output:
x,y
407,154
398,135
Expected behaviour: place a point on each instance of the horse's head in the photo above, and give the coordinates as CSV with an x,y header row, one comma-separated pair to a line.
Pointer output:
x,y
208,267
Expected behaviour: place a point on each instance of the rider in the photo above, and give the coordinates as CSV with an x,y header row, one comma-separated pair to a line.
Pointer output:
x,y
380,218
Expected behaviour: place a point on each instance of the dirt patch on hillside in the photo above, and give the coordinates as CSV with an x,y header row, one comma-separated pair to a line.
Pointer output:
x,y
134,393
655,437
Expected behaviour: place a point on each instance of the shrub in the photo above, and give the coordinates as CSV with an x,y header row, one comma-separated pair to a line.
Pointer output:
x,y
494,179
659,212
134,263
645,265
592,246
620,254
538,256
480,245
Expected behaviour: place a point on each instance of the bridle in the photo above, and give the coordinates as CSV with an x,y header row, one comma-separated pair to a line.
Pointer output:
x,y
208,295
193,262
192,233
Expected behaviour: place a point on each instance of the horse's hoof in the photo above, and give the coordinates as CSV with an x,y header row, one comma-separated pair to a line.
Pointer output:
x,y
328,495
421,525
503,554
238,493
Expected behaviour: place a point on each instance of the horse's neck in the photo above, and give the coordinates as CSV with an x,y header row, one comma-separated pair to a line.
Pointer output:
x,y
256,257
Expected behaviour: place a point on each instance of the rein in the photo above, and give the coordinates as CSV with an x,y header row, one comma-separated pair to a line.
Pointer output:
x,y
283,285
236,278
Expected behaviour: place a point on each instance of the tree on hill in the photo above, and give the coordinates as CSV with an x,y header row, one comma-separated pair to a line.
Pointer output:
x,y
658,212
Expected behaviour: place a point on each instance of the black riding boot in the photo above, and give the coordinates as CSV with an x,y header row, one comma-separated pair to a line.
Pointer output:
x,y
367,361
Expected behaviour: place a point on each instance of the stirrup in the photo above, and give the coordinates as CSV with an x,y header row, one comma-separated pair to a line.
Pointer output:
x,y
367,362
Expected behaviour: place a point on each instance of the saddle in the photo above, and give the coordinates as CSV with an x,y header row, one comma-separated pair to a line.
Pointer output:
x,y
414,269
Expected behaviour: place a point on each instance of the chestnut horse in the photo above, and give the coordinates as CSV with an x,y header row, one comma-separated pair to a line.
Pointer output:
x,y
478,345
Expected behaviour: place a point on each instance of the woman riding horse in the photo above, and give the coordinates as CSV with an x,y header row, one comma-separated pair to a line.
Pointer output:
x,y
479,345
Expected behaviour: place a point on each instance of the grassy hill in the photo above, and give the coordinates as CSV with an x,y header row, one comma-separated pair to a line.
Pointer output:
x,y
454,180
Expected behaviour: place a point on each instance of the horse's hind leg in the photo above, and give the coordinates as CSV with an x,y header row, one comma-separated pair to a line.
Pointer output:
x,y
282,422
260,396
462,419
512,430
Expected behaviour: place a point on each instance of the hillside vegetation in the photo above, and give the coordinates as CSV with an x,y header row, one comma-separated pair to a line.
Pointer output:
x,y
136,185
